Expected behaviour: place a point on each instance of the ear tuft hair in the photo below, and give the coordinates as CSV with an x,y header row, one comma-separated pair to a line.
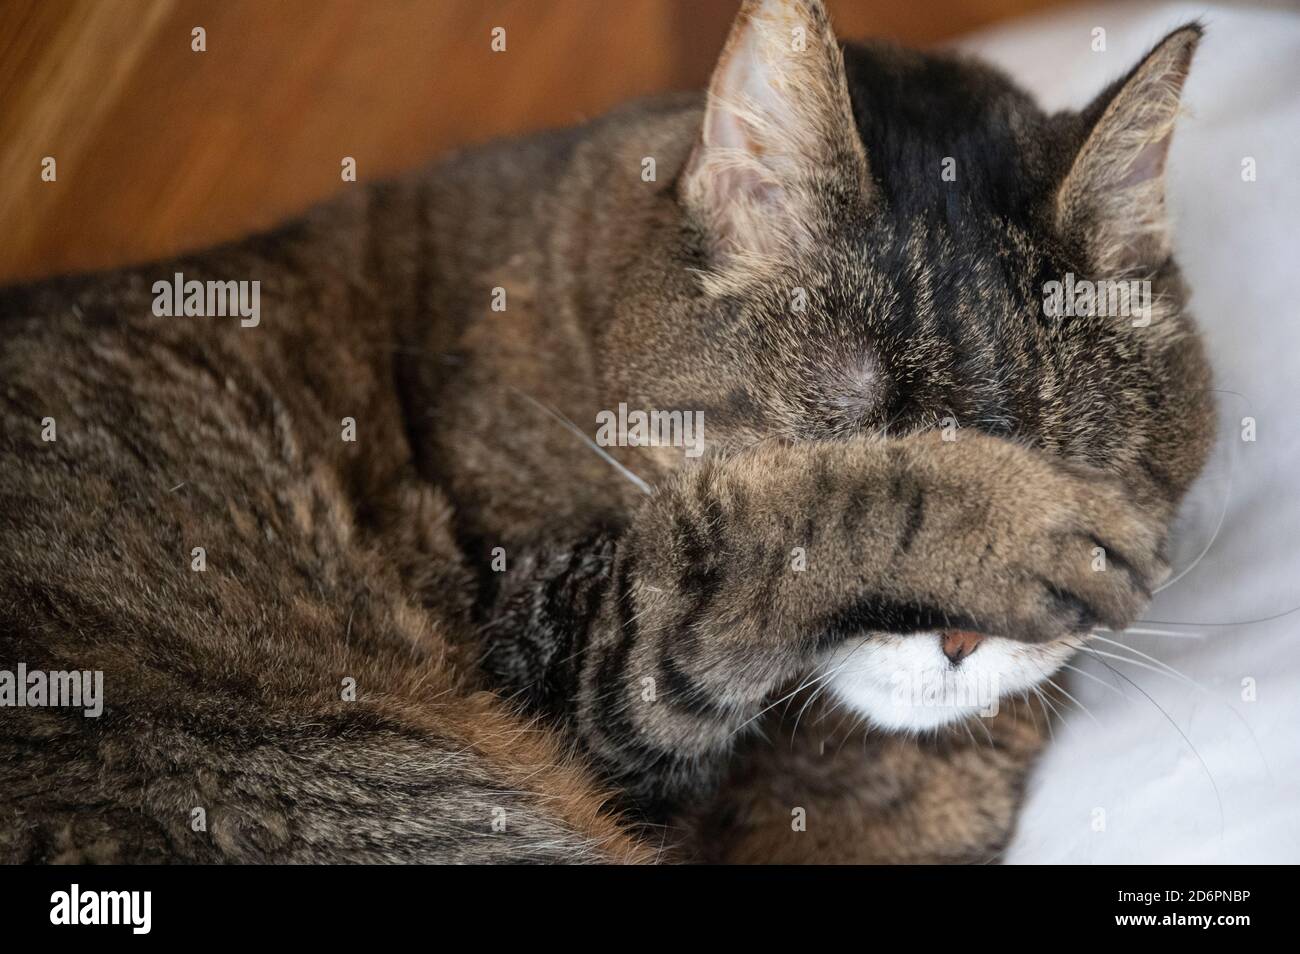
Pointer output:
x,y
1112,200
779,154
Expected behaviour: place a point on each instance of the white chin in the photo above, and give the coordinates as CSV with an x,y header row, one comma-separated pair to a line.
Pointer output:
x,y
905,683
897,711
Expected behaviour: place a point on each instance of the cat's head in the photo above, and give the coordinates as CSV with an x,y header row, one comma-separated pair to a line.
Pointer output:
x,y
872,238
875,232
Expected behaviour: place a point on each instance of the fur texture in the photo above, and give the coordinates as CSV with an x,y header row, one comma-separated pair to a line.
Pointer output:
x,y
622,664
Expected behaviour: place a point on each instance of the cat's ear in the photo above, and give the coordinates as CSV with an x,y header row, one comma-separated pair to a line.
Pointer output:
x,y
1112,200
779,155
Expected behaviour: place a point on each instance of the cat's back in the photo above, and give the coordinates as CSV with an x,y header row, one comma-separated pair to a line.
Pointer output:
x,y
183,524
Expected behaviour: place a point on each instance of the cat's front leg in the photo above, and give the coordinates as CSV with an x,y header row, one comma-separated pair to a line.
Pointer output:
x,y
659,647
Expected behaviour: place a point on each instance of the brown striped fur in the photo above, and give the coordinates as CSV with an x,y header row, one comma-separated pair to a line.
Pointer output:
x,y
616,672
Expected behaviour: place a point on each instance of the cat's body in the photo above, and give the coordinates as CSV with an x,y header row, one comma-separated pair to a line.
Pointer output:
x,y
635,638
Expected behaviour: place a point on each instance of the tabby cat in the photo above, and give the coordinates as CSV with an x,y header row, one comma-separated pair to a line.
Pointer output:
x,y
363,587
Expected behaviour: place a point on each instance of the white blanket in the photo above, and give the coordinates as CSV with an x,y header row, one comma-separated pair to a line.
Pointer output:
x,y
1215,776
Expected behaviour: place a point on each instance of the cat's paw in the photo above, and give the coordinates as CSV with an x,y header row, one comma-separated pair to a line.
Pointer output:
x,y
1092,560
1045,549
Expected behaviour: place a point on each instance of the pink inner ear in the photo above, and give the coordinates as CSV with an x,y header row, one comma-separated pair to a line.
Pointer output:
x,y
745,197
1148,164
742,81
774,117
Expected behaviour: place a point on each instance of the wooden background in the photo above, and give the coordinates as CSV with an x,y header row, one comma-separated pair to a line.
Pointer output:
x,y
160,148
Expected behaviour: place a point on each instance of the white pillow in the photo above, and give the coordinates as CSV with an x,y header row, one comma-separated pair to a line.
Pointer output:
x,y
1216,776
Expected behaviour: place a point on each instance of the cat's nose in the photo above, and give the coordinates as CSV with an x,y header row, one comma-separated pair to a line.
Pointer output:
x,y
960,643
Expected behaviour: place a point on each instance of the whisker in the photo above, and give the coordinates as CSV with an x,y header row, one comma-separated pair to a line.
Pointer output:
x,y
1223,514
812,680
609,458
811,699
1030,708
1154,632
1102,682
1243,622
1053,683
1178,676
1159,662
1177,728
1139,664
1060,715
1042,701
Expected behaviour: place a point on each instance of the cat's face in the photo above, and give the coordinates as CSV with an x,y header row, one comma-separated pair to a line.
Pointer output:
x,y
879,349
879,246
849,341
